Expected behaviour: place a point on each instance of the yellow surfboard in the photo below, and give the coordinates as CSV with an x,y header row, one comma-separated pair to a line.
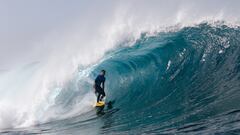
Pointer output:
x,y
99,104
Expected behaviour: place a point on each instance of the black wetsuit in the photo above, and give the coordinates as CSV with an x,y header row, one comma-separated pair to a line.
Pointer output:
x,y
100,90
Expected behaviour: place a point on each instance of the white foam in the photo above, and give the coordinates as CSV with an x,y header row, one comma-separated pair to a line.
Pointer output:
x,y
169,64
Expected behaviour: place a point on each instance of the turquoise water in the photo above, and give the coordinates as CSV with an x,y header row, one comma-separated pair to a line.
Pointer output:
x,y
183,82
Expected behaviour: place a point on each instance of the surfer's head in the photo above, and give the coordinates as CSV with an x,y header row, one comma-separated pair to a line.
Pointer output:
x,y
103,72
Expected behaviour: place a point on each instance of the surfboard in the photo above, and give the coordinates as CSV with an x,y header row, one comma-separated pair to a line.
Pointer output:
x,y
100,104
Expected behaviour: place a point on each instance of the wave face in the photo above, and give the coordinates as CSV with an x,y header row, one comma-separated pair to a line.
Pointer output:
x,y
172,82
177,82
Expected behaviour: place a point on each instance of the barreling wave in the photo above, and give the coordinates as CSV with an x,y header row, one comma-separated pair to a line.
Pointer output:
x,y
187,81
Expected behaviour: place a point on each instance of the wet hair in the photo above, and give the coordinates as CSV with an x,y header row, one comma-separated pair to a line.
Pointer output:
x,y
103,71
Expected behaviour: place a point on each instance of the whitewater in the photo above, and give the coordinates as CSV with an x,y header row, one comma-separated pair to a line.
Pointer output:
x,y
173,67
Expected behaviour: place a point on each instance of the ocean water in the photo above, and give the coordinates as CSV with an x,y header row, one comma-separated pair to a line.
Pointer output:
x,y
173,67
185,81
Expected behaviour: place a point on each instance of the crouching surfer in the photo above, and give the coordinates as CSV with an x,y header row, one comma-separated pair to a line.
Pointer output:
x,y
99,86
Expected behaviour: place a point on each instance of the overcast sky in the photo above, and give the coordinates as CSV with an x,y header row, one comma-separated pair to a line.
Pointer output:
x,y
25,23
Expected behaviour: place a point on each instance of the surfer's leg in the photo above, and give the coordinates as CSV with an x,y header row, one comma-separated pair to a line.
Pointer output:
x,y
102,94
98,97
98,92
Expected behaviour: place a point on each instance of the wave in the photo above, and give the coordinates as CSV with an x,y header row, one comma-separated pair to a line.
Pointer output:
x,y
176,82
184,81
47,68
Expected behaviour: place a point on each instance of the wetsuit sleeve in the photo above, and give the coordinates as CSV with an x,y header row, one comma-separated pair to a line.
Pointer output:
x,y
95,82
103,83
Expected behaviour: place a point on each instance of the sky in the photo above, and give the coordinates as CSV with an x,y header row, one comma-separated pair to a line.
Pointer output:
x,y
27,25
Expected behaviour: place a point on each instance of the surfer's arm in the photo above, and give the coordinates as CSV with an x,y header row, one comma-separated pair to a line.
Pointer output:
x,y
94,84
103,85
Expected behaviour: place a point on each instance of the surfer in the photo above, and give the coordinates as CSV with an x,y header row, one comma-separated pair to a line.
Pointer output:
x,y
99,85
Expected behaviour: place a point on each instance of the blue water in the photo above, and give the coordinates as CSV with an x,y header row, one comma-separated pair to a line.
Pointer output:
x,y
181,82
